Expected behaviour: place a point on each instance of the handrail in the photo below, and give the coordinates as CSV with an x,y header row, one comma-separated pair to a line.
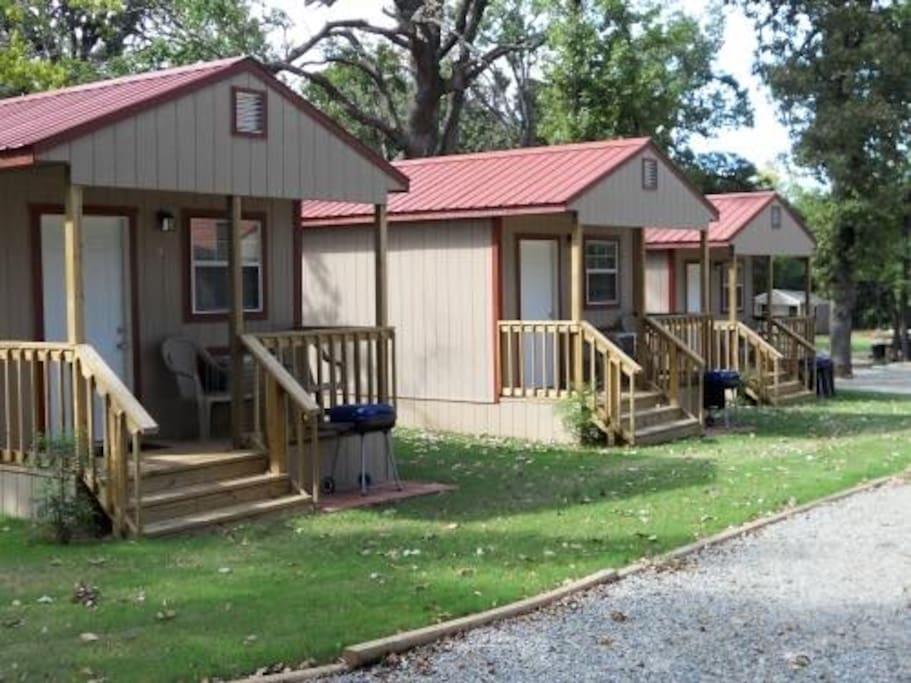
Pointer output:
x,y
800,340
109,384
673,367
606,344
316,329
58,390
280,388
751,335
278,372
673,339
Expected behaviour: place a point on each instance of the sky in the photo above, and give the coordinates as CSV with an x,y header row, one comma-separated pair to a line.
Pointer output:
x,y
766,143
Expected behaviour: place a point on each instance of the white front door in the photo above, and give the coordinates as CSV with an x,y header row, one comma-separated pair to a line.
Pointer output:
x,y
693,288
539,299
104,240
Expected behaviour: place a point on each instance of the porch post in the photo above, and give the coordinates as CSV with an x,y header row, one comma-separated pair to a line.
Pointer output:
x,y
704,272
75,299
732,288
236,319
381,293
639,257
770,285
575,300
807,286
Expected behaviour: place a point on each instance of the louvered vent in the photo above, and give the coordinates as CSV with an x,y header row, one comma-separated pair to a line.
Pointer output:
x,y
250,112
649,174
776,217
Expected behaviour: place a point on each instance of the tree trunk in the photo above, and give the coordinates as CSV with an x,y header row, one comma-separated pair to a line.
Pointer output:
x,y
844,293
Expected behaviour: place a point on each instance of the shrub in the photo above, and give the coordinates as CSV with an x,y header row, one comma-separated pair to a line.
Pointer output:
x,y
63,507
576,414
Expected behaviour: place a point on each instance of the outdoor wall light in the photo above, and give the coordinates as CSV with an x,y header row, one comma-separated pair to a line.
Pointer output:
x,y
166,222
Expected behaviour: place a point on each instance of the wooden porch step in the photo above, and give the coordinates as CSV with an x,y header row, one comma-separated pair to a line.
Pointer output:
x,y
656,415
795,397
174,471
209,495
663,432
197,521
644,399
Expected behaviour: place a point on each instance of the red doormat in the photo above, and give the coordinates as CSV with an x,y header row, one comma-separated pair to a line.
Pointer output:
x,y
379,495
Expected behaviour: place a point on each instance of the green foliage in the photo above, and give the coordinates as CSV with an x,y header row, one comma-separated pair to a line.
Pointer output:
x,y
56,43
719,172
576,413
62,508
628,69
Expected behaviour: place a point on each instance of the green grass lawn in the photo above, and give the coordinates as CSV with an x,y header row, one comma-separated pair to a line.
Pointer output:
x,y
860,342
525,518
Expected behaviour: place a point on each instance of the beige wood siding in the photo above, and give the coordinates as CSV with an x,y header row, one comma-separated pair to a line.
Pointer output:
x,y
20,490
440,300
760,239
161,275
719,259
560,226
187,145
513,418
620,200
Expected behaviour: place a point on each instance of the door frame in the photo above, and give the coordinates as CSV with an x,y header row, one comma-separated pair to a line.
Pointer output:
x,y
519,237
131,280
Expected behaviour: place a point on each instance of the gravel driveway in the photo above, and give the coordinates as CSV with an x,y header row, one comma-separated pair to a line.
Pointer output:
x,y
824,596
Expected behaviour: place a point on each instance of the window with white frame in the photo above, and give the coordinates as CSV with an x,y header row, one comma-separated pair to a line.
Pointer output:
x,y
724,286
776,217
602,272
209,281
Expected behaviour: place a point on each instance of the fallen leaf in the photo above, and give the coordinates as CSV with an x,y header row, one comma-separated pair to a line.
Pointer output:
x,y
166,615
618,616
45,600
89,637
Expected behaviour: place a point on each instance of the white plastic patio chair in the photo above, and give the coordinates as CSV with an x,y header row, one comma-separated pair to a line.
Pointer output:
x,y
183,357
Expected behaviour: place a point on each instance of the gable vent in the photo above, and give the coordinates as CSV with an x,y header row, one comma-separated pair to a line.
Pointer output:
x,y
250,112
776,217
649,174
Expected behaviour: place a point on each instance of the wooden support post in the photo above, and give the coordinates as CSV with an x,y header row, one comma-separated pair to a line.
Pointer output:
x,y
705,273
639,257
276,428
770,286
381,293
236,320
575,296
75,300
732,288
808,289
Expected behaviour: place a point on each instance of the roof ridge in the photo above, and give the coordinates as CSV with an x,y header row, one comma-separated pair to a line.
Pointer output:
x,y
745,193
129,78
523,151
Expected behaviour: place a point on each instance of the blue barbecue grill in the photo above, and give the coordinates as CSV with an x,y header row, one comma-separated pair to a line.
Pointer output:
x,y
362,420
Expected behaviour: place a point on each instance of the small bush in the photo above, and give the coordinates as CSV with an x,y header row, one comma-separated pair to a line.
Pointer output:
x,y
576,414
63,507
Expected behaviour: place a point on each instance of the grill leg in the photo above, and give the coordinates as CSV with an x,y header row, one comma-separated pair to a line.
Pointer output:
x,y
338,448
390,460
363,466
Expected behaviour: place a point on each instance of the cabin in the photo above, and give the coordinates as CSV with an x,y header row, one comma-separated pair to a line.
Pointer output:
x,y
148,314
516,279
714,314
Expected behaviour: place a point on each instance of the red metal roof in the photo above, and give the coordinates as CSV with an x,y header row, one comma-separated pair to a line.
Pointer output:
x,y
527,180
735,211
33,122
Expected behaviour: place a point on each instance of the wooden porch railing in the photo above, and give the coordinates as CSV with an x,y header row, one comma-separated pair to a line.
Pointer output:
x,y
57,391
284,413
608,371
695,330
799,352
670,363
802,326
736,346
540,359
338,365
536,357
